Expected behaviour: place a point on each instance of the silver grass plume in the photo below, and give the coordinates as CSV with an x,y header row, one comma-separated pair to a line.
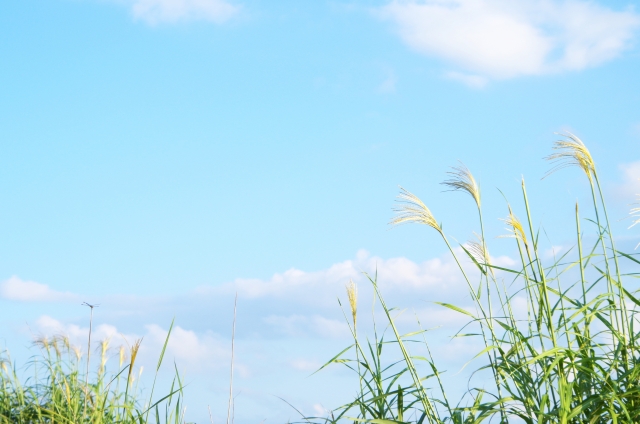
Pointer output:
x,y
571,151
412,209
462,179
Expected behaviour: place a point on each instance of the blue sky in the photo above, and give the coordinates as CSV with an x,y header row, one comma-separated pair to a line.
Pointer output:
x,y
158,155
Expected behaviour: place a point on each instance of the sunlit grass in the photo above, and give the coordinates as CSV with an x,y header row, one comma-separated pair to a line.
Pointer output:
x,y
571,357
61,388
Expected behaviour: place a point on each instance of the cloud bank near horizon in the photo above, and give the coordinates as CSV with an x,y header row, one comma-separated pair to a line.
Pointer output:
x,y
293,303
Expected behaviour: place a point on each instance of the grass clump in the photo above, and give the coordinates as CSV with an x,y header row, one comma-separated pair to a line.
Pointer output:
x,y
58,391
571,357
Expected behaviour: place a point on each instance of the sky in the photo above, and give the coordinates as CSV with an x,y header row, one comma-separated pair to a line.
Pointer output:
x,y
159,156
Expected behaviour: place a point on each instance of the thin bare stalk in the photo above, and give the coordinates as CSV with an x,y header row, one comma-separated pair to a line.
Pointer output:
x,y
233,336
86,381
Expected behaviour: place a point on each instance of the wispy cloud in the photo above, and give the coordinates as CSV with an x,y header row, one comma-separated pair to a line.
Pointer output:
x,y
48,326
497,39
290,321
29,291
300,325
388,86
303,364
473,81
629,188
193,351
292,302
400,275
155,12
631,176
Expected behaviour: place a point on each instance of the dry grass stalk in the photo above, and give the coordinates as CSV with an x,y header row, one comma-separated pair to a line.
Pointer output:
x,y
352,294
134,353
233,337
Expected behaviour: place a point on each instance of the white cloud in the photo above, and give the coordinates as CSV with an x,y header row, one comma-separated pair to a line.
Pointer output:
x,y
320,411
305,365
473,81
191,350
48,326
320,288
554,252
500,39
630,186
29,291
300,325
159,11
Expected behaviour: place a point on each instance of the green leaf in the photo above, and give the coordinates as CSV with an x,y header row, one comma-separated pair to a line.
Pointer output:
x,y
455,308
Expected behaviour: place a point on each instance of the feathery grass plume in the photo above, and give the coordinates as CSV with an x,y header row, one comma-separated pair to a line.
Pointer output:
x,y
134,354
55,344
352,294
571,152
65,342
479,252
42,341
104,347
413,210
462,179
122,354
77,352
516,229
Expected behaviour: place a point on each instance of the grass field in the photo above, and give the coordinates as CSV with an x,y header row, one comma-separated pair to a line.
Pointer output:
x,y
61,388
568,354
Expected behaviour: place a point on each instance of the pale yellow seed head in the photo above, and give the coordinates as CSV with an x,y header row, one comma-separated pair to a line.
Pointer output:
x,y
104,346
352,294
55,341
134,353
462,179
515,228
571,152
67,391
42,341
65,342
77,352
122,353
479,252
413,210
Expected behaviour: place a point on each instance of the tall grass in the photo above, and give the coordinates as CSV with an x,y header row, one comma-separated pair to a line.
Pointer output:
x,y
571,357
58,391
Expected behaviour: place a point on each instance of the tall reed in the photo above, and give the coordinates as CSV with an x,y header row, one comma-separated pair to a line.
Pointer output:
x,y
60,392
572,359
